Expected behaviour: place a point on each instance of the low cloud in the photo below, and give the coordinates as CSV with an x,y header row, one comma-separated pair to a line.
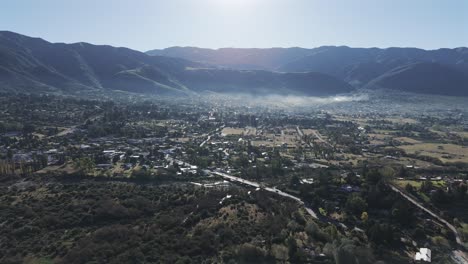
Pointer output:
x,y
287,101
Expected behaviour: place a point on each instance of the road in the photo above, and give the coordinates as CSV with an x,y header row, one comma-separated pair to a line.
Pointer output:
x,y
250,183
299,131
317,135
211,134
457,255
269,189
72,129
440,219
301,136
206,140
460,257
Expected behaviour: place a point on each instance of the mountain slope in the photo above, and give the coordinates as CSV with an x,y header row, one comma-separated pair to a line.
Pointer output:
x,y
244,59
264,82
35,65
431,78
357,66
72,67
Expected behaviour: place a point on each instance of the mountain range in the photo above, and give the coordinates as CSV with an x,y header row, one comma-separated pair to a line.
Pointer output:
x,y
442,71
34,65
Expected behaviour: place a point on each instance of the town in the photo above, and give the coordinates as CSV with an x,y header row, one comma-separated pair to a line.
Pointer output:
x,y
368,185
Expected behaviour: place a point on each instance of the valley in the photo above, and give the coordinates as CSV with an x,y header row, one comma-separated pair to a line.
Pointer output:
x,y
263,182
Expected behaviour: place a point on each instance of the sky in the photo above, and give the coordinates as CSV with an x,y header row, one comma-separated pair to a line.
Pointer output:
x,y
156,24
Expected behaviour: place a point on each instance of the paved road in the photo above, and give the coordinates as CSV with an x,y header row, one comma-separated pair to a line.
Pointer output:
x,y
460,257
301,136
413,201
457,255
211,134
317,135
299,131
269,189
206,140
250,183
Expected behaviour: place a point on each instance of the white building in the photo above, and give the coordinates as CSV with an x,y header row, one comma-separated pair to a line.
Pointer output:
x,y
424,254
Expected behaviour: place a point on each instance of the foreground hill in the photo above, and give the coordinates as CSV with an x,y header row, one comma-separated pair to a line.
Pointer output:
x,y
357,66
35,65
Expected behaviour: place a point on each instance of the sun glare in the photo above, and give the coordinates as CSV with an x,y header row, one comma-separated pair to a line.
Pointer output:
x,y
234,3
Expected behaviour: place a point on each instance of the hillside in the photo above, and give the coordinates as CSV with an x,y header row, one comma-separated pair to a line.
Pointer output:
x,y
35,65
431,78
32,64
264,82
245,59
357,66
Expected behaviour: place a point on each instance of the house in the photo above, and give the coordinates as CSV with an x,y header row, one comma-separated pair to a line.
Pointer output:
x,y
424,254
349,188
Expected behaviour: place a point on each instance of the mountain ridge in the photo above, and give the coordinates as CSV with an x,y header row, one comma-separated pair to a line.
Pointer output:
x,y
359,67
33,64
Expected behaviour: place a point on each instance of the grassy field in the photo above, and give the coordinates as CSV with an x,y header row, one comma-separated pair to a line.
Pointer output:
x,y
444,152
309,131
407,140
271,140
66,169
402,120
463,134
182,140
248,131
417,184
233,131
366,121
377,139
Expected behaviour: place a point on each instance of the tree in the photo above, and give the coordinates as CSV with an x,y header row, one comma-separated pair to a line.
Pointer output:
x,y
356,204
402,172
9,154
28,129
380,234
402,213
292,246
141,174
409,188
351,178
439,196
426,186
373,177
345,251
85,164
460,191
248,253
115,159
364,217
294,181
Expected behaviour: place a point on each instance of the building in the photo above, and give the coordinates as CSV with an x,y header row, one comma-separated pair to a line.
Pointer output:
x,y
424,254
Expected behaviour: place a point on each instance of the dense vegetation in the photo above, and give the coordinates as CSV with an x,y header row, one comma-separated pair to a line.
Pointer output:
x,y
109,222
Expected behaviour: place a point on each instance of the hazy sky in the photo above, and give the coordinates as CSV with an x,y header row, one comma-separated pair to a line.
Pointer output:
x,y
149,24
